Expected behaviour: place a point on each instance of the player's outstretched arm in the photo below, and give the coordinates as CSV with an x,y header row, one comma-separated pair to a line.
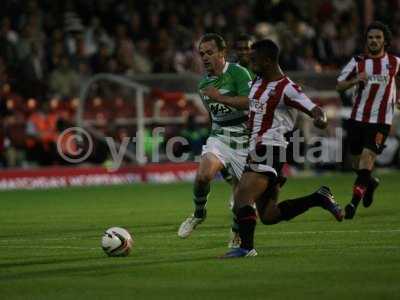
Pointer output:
x,y
319,116
239,102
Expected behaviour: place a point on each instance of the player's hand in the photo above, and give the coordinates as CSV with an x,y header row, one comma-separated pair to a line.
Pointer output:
x,y
211,92
320,119
362,77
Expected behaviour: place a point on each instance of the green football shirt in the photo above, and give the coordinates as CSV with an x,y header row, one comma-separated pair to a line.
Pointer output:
x,y
228,123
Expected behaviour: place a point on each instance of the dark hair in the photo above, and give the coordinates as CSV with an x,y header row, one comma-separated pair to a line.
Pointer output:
x,y
219,40
382,27
268,48
244,38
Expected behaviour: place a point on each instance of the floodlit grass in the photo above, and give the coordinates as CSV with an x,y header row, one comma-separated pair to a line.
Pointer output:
x,y
50,246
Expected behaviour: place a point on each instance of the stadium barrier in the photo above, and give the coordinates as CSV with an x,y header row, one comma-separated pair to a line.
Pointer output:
x,y
56,177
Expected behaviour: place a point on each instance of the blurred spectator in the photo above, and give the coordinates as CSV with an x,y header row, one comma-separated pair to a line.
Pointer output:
x,y
23,46
4,76
141,62
96,36
344,44
64,80
32,72
100,60
42,134
8,42
307,61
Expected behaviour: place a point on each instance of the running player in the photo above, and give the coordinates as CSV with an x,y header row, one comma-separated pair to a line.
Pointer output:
x,y
274,103
373,77
226,148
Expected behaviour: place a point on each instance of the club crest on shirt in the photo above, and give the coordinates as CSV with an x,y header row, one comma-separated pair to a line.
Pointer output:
x,y
257,106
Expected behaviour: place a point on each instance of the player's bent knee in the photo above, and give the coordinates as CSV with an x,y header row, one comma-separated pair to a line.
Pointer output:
x,y
270,217
268,221
203,178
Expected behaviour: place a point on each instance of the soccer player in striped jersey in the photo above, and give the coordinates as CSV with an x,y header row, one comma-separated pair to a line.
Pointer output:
x,y
372,76
224,90
274,103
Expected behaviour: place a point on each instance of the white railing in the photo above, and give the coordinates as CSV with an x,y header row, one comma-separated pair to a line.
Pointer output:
x,y
140,120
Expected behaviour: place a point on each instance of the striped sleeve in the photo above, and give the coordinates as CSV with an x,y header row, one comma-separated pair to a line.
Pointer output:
x,y
294,97
349,71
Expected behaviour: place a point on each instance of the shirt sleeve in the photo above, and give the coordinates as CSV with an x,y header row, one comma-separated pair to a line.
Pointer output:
x,y
243,81
349,71
294,97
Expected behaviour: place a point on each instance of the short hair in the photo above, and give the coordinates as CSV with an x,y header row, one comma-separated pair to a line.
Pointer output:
x,y
219,40
268,48
244,38
387,34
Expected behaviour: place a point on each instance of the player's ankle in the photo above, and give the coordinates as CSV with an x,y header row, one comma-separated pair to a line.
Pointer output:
x,y
200,213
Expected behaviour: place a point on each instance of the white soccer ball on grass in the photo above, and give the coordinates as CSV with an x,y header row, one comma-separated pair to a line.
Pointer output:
x,y
117,241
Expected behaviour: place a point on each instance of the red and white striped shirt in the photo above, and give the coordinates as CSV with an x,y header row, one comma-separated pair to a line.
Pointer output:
x,y
273,110
373,101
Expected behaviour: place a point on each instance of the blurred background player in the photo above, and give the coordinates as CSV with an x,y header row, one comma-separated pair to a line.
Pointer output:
x,y
224,90
372,75
274,102
242,47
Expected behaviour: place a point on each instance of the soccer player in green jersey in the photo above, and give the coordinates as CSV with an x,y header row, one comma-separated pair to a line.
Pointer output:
x,y
226,148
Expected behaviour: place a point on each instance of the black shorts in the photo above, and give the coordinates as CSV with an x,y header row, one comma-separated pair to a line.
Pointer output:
x,y
366,135
267,160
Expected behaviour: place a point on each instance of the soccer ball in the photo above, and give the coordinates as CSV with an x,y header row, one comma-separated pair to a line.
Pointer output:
x,y
117,241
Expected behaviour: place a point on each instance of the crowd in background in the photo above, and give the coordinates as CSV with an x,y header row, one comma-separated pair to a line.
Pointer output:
x,y
48,49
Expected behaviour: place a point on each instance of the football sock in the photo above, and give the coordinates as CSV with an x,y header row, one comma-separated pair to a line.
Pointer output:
x,y
294,207
235,225
200,194
371,187
246,218
360,186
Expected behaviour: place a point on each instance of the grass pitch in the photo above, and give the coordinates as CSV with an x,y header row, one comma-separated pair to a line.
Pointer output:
x,y
50,246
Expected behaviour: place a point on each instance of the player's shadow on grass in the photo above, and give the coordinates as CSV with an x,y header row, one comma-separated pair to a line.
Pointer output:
x,y
95,270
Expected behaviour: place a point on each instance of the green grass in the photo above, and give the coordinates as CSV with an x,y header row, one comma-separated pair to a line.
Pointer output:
x,y
50,246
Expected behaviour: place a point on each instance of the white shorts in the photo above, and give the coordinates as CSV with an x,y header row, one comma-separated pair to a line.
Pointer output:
x,y
232,159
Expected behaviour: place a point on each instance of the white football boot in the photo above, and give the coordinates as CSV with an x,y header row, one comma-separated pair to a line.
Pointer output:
x,y
188,226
